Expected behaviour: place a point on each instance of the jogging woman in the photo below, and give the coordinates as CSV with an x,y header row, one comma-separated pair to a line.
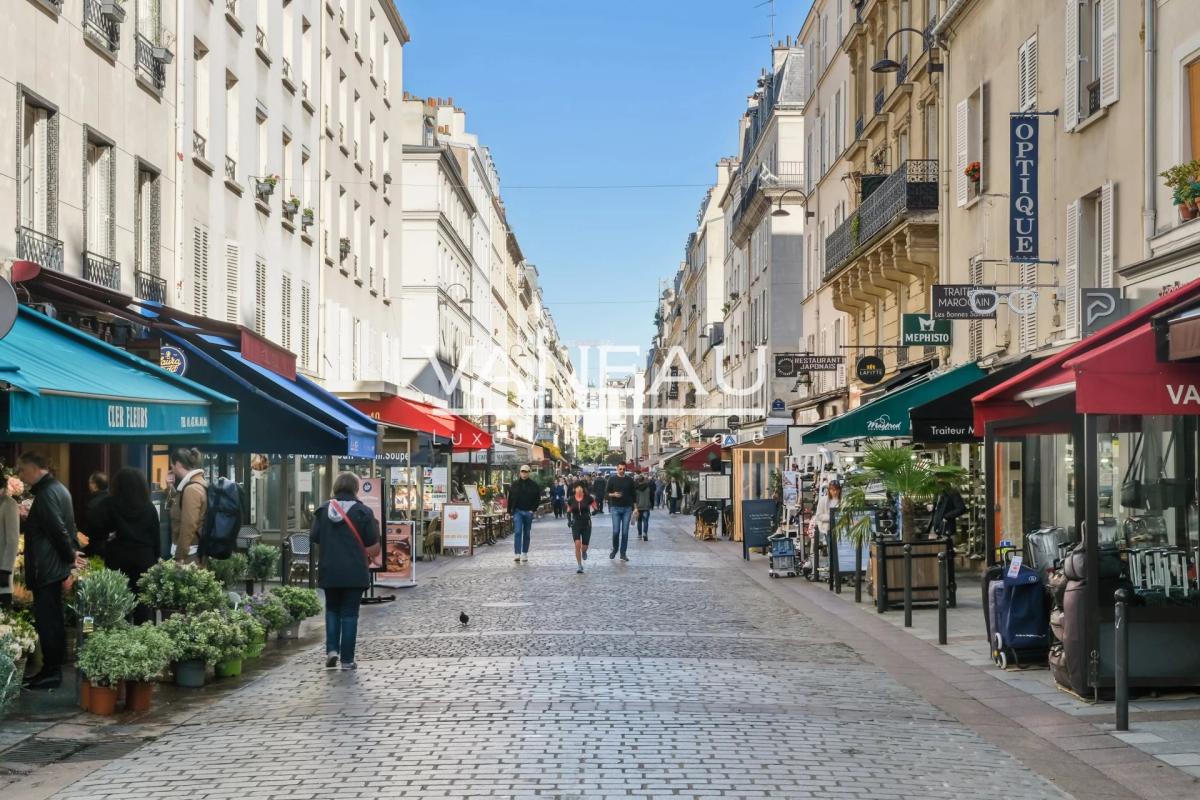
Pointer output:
x,y
579,516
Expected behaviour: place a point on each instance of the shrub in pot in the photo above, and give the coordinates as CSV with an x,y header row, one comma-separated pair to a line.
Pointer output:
x,y
229,570
262,563
269,611
10,675
131,655
105,596
175,587
301,603
17,637
198,641
232,643
254,635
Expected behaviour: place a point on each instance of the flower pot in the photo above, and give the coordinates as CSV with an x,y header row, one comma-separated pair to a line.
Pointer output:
x,y
190,674
104,700
229,668
138,695
254,650
290,631
85,694
1186,212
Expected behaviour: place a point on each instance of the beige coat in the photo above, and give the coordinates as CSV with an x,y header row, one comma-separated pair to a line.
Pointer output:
x,y
10,531
187,510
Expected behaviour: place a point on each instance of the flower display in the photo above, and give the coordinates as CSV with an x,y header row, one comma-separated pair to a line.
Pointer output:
x,y
268,610
14,486
173,586
17,633
300,603
973,170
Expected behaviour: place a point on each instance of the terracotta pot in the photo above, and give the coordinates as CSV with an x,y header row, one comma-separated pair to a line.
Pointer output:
x,y
229,668
85,694
1186,211
138,695
104,700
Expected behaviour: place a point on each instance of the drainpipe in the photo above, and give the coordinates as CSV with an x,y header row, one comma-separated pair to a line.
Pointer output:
x,y
1150,190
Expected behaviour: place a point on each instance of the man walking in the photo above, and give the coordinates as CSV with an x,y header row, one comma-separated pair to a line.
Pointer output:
x,y
524,497
598,492
659,486
620,493
49,557
645,501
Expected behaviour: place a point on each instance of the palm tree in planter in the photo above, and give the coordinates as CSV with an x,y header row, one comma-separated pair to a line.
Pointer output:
x,y
901,471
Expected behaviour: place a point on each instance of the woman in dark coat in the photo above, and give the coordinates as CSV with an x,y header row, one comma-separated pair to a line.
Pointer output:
x,y
126,528
348,535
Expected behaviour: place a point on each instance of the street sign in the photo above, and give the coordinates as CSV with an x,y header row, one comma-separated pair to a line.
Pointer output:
x,y
1100,307
869,369
778,405
1023,189
922,329
963,301
790,365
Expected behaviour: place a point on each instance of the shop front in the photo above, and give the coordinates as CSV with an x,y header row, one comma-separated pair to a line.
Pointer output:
x,y
1096,446
757,477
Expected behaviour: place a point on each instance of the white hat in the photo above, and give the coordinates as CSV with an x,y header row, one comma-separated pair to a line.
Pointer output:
x,y
524,468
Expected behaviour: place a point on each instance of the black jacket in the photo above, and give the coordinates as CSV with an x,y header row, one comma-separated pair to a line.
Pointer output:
x,y
949,507
343,561
49,534
135,545
524,495
579,514
599,487
623,484
93,523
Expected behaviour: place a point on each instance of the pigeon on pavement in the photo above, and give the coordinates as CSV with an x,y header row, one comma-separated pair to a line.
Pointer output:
x,y
463,618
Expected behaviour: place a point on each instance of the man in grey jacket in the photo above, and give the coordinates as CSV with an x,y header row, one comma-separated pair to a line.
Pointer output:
x,y
50,547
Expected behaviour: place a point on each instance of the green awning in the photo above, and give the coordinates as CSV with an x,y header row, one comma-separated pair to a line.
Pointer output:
x,y
887,417
66,386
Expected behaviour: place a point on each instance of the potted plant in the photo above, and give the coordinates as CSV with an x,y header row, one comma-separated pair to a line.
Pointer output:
x,y
104,596
1182,180
899,470
253,633
307,217
269,611
344,247
173,587
198,641
229,571
265,187
134,656
232,644
973,172
10,676
855,227
300,603
19,638
291,206
262,564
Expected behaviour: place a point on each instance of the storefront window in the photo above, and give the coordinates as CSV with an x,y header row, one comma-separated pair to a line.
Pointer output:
x,y
309,479
1036,488
266,483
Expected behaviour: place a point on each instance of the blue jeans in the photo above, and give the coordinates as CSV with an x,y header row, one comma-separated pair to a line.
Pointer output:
x,y
522,523
643,526
341,621
620,520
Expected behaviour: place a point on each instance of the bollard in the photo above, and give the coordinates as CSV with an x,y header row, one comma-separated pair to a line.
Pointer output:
x,y
858,572
942,592
908,585
1121,667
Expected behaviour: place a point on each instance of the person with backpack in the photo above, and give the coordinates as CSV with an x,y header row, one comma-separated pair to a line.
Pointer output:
x,y
348,536
189,504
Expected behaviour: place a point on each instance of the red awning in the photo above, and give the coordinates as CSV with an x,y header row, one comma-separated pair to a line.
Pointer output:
x,y
435,421
697,460
1114,371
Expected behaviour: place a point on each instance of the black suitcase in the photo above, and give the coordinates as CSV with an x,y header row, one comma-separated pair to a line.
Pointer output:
x,y
1069,661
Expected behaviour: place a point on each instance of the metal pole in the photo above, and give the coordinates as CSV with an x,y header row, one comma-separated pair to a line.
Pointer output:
x,y
487,472
908,585
858,572
943,583
1121,668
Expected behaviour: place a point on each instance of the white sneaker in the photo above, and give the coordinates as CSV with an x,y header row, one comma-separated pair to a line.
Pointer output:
x,y
517,560
525,559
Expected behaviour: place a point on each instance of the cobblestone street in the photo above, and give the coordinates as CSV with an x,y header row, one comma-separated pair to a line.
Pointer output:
x,y
671,675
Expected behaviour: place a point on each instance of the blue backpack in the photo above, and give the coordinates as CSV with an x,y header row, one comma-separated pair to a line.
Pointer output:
x,y
223,519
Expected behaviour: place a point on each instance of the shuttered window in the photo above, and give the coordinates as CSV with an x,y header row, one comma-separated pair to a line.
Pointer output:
x,y
1028,339
1071,75
1110,53
961,122
233,290
200,270
1107,207
98,198
305,325
1071,276
1027,79
260,296
975,329
286,312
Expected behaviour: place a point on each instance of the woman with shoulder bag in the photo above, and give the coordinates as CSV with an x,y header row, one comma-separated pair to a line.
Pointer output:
x,y
348,535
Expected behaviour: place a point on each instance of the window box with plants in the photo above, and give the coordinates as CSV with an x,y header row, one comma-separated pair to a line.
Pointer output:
x,y
307,218
265,187
1184,182
291,207
974,173
134,656
344,248
300,603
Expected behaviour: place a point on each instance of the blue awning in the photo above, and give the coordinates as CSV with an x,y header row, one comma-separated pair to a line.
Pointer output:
x,y
278,414
64,385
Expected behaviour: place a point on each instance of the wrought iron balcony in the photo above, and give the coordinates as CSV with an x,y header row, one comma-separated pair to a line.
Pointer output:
x,y
902,73
43,250
102,271
231,6
199,144
879,96
150,287
103,27
150,66
858,127
230,169
260,38
1093,98
913,187
286,68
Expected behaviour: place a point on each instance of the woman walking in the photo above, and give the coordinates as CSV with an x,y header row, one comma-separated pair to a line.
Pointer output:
x,y
558,497
644,500
126,524
822,520
579,516
189,504
348,535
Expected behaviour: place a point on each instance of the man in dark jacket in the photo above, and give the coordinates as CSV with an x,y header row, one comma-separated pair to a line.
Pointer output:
x,y
620,491
524,497
949,507
50,546
599,487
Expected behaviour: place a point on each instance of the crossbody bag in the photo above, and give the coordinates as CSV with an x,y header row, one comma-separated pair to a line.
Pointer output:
x,y
353,529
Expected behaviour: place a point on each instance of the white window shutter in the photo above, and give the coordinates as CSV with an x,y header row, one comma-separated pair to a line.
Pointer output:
x,y
1110,52
1027,75
1029,320
1071,82
1107,207
41,174
232,283
1071,279
960,164
984,123
260,296
200,270
1022,100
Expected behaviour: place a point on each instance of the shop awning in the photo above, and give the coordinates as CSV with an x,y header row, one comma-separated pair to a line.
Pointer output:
x,y
278,414
697,460
949,418
663,460
438,422
1114,371
887,417
64,385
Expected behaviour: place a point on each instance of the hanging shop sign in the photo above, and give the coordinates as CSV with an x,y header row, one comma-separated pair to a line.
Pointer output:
x,y
869,369
172,359
963,301
1023,190
984,301
790,365
1101,307
922,329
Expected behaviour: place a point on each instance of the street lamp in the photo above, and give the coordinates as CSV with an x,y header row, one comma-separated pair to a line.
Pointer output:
x,y
780,211
885,64
466,301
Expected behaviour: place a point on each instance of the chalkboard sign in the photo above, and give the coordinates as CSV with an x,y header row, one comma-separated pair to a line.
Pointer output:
x,y
842,556
758,522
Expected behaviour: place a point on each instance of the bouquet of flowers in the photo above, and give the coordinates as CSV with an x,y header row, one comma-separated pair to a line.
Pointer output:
x,y
17,633
973,171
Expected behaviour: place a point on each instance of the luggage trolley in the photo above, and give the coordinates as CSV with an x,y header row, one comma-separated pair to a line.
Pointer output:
x,y
783,556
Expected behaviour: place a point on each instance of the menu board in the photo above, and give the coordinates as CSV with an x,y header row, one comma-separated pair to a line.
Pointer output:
x,y
436,490
398,566
456,526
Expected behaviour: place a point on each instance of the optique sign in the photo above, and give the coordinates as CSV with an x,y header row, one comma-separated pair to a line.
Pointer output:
x,y
1023,190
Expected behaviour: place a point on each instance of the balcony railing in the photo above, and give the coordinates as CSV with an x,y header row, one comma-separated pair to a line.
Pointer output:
x,y
286,68
341,133
43,250
913,187
199,144
231,6
150,287
858,127
151,67
788,173
230,169
260,38
902,73
1093,94
102,271
104,28
304,90
879,101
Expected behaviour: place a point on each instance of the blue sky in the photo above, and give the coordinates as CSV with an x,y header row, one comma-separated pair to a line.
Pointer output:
x,y
585,94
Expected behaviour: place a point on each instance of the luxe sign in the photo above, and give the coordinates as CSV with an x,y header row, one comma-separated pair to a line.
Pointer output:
x,y
1023,190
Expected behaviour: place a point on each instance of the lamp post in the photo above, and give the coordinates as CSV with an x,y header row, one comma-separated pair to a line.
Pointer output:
x,y
780,211
490,421
885,64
